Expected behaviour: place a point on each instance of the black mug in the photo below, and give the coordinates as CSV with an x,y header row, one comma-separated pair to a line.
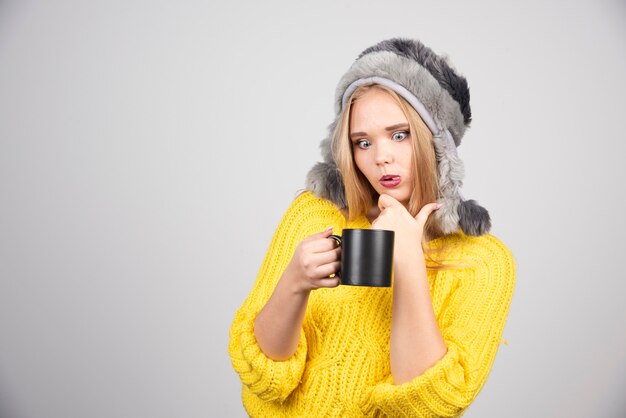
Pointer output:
x,y
366,257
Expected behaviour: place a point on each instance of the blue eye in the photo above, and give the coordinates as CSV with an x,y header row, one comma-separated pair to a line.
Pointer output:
x,y
363,143
399,136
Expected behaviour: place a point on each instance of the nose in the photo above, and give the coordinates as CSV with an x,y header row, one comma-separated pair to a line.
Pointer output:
x,y
383,153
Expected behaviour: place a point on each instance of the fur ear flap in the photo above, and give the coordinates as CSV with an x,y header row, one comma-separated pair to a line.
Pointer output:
x,y
325,181
473,218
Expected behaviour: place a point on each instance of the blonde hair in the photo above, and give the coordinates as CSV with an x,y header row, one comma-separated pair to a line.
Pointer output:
x,y
360,194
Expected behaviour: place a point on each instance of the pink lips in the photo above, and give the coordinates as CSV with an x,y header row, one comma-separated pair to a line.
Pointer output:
x,y
390,180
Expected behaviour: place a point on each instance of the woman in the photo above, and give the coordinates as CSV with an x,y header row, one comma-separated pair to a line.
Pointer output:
x,y
303,346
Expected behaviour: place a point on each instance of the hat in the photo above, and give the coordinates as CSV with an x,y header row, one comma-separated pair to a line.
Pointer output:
x,y
440,95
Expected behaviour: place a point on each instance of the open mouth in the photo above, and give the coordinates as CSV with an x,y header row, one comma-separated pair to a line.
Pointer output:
x,y
390,180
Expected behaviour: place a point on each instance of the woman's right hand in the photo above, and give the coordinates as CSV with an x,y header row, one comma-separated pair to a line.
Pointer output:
x,y
277,326
313,261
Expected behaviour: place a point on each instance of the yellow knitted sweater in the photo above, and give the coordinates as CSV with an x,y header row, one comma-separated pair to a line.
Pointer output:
x,y
341,367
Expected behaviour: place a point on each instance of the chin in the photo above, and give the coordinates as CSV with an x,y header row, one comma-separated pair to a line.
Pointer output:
x,y
399,195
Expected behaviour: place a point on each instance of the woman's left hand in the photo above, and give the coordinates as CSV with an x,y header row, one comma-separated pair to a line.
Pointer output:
x,y
408,230
416,342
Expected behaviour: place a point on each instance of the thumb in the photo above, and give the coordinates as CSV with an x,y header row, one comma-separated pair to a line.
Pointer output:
x,y
425,212
385,201
326,233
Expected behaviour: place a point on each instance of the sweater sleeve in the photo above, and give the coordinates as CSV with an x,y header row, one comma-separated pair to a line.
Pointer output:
x,y
268,379
471,320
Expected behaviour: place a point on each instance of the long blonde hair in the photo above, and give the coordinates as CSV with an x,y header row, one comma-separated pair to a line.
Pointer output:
x,y
360,194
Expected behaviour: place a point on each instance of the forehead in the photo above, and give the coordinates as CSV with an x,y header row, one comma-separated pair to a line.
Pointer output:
x,y
375,108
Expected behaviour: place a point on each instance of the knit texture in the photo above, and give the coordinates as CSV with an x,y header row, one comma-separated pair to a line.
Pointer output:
x,y
341,367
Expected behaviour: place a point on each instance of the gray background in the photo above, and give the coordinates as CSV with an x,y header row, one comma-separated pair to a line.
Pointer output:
x,y
149,148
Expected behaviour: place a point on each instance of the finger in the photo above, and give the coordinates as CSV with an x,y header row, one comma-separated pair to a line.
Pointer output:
x,y
329,282
320,245
316,266
324,234
327,257
385,201
312,242
426,211
327,269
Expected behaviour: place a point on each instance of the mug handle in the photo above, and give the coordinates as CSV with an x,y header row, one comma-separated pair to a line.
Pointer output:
x,y
337,239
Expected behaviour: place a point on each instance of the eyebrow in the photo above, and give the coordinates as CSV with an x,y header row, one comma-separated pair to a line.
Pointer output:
x,y
388,128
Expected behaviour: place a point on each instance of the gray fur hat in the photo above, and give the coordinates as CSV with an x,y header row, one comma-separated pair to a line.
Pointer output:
x,y
440,95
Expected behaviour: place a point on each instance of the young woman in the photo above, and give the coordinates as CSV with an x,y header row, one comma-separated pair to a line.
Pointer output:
x,y
305,346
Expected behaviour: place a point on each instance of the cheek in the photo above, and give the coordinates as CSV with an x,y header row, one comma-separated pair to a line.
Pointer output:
x,y
358,160
409,163
362,162
408,158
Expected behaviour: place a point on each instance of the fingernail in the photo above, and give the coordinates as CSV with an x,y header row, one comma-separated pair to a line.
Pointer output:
x,y
438,205
330,228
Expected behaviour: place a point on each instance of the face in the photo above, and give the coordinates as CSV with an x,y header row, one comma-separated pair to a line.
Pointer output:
x,y
381,144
